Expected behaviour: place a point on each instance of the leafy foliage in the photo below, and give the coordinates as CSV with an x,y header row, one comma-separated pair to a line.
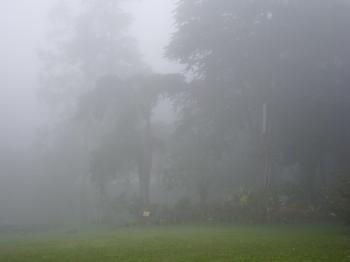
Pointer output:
x,y
339,199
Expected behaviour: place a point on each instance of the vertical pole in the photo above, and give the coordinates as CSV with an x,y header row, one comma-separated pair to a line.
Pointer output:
x,y
266,145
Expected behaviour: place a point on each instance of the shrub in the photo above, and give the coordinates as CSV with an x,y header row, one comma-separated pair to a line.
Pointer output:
x,y
339,199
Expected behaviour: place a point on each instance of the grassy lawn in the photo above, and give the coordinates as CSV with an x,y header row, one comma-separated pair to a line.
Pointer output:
x,y
183,243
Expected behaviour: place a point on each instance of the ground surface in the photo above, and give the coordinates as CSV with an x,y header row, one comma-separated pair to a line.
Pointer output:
x,y
183,243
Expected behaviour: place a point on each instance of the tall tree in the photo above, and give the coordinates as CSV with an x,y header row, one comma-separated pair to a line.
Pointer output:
x,y
88,40
275,69
128,107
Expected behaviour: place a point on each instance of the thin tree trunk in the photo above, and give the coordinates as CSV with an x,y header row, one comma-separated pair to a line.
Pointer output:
x,y
266,134
145,165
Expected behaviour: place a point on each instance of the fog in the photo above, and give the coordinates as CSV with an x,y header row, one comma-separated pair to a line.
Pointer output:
x,y
165,112
24,30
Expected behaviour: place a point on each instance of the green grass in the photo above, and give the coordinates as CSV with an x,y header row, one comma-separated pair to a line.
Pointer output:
x,y
217,243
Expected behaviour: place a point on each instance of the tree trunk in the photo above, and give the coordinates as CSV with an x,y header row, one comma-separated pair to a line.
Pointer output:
x,y
144,180
266,137
203,195
145,165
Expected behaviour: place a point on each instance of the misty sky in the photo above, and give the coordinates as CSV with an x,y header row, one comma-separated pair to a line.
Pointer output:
x,y
23,29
